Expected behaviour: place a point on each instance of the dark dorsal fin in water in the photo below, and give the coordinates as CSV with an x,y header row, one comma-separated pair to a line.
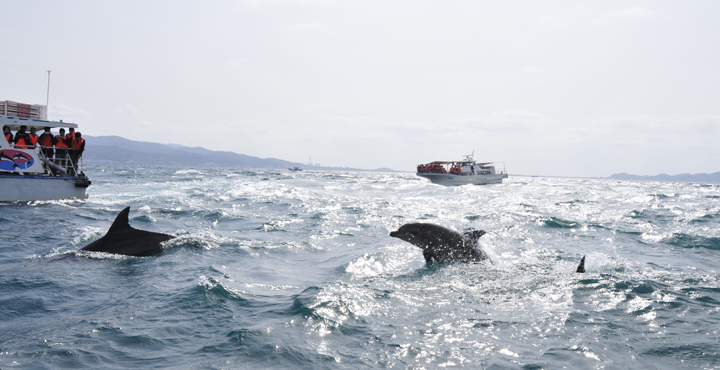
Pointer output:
x,y
475,234
581,266
121,222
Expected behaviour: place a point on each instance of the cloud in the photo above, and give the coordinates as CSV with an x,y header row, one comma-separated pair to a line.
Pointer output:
x,y
616,15
259,4
66,113
635,12
127,108
310,27
507,122
689,130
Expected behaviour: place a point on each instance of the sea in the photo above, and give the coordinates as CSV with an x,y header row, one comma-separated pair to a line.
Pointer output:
x,y
273,269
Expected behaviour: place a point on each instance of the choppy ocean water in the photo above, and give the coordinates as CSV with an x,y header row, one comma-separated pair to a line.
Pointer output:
x,y
274,269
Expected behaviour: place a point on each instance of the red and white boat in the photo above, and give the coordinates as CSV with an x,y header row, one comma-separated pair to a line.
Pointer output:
x,y
464,172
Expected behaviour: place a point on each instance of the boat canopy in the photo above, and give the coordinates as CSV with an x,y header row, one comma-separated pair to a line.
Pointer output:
x,y
15,122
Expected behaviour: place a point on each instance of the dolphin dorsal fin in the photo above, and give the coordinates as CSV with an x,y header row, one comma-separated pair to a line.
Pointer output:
x,y
581,266
475,234
121,221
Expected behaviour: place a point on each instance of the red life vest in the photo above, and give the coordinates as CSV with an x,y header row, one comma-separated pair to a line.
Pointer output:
x,y
77,144
60,142
46,140
33,139
70,136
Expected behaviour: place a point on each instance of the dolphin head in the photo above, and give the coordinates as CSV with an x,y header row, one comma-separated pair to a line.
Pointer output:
x,y
422,235
410,233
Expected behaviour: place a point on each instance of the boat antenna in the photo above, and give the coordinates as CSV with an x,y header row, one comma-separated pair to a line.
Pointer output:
x,y
47,101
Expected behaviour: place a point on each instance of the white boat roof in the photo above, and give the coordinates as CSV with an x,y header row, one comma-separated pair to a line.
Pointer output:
x,y
15,122
453,162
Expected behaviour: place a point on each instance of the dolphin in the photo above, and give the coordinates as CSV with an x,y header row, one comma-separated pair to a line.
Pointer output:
x,y
5,156
122,238
581,266
442,245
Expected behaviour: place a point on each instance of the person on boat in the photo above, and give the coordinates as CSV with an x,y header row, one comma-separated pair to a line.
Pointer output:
x,y
22,139
33,137
8,134
61,149
47,141
70,136
77,147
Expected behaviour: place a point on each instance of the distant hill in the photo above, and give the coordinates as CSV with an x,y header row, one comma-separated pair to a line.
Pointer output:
x,y
115,149
684,177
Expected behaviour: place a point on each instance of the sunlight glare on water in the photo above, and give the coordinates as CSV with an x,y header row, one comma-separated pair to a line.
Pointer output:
x,y
278,269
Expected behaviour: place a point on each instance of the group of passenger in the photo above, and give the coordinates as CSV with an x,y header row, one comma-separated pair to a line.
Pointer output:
x,y
432,168
58,148
438,168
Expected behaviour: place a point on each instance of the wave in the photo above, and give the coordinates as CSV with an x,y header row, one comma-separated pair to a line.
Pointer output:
x,y
559,223
689,353
710,217
188,172
693,241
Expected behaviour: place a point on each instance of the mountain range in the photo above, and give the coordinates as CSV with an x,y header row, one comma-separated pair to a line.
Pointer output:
x,y
115,149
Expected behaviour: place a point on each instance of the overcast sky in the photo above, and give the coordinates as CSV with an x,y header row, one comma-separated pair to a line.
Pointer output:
x,y
567,88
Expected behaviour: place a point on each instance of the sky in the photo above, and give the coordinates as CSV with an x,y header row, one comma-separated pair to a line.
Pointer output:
x,y
550,88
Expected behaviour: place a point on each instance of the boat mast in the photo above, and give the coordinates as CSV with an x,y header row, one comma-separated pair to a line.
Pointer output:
x,y
47,100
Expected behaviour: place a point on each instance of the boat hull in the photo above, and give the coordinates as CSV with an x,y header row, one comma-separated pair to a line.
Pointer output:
x,y
31,187
457,180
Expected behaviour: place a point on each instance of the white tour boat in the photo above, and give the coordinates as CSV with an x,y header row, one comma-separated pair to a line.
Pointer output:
x,y
466,171
26,174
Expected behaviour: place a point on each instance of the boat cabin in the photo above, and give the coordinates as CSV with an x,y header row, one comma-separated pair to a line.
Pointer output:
x,y
31,160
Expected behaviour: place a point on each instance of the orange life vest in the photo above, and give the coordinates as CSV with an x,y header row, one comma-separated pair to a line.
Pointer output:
x,y
33,139
60,142
46,140
8,137
22,144
77,144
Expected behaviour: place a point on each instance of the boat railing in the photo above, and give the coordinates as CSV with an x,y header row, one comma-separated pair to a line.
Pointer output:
x,y
60,166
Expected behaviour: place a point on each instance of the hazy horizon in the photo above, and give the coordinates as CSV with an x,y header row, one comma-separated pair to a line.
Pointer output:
x,y
551,88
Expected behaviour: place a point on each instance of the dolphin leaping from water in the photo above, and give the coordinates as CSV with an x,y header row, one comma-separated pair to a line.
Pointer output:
x,y
442,245
122,238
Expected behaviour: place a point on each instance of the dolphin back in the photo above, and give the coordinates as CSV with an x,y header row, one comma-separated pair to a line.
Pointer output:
x,y
123,239
441,244
122,221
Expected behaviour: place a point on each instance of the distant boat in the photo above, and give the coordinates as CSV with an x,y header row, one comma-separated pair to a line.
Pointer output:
x,y
25,173
294,168
466,171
